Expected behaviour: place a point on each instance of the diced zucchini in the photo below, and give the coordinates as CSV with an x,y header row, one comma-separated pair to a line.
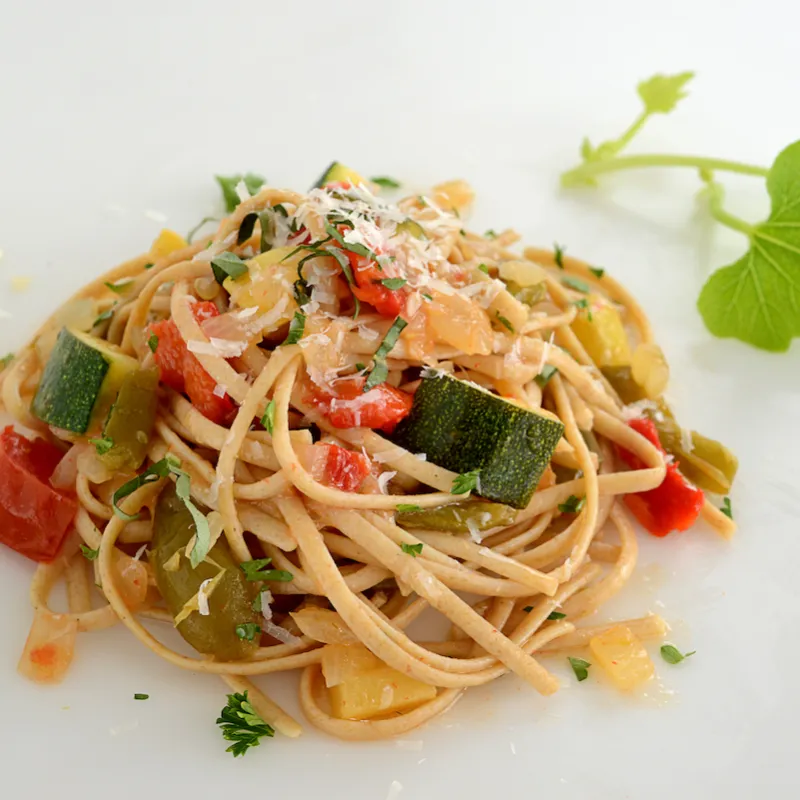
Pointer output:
x,y
412,228
338,173
80,381
459,517
600,330
462,427
623,657
130,422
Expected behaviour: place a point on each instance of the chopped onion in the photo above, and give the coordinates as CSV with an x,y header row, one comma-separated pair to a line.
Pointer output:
x,y
66,472
323,625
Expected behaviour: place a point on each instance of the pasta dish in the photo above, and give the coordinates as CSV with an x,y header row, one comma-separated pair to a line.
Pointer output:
x,y
291,439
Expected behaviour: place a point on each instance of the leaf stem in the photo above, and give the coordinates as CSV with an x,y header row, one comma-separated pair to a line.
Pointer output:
x,y
715,198
590,170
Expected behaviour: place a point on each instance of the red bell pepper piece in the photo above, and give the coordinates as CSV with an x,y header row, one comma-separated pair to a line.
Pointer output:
x,y
675,504
349,406
344,469
180,369
34,516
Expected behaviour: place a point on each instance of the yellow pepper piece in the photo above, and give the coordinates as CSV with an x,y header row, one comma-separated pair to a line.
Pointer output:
x,y
600,330
623,657
167,242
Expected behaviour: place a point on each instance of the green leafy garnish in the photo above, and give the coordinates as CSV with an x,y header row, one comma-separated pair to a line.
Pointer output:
x,y
672,655
119,288
296,328
466,482
360,367
490,234
575,283
558,255
428,297
394,283
256,571
246,227
268,420
411,549
528,609
407,508
248,630
380,371
572,505
386,183
583,303
158,470
228,184
193,232
556,615
227,265
726,507
139,696
242,725
504,321
6,360
543,378
580,667
102,445
483,268
152,342
88,553
598,272
149,265
755,298
107,314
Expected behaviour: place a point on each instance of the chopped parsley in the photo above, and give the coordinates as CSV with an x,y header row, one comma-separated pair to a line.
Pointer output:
x,y
149,265
583,303
598,272
89,553
504,321
120,287
139,696
580,667
248,630
572,505
558,255
107,314
152,342
242,725
360,367
394,283
296,328
268,420
6,360
543,378
380,371
227,265
672,655
411,549
407,508
385,182
228,184
483,268
726,507
255,571
102,445
490,234
428,297
556,615
466,482
575,283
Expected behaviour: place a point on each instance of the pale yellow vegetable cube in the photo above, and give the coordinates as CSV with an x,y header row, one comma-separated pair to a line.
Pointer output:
x,y
342,661
167,242
451,195
600,330
623,657
523,273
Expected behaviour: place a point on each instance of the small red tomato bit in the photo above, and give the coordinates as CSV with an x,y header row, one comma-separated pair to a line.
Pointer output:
x,y
675,504
344,469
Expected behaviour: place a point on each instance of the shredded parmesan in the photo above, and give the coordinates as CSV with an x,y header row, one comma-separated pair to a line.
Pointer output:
x,y
383,480
220,390
279,633
224,348
474,531
202,597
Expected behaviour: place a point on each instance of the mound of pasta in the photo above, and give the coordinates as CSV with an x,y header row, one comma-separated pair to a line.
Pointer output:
x,y
292,439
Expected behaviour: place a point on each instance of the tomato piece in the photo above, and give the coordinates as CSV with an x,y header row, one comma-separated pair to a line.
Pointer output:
x,y
349,406
369,289
675,504
344,469
180,370
34,516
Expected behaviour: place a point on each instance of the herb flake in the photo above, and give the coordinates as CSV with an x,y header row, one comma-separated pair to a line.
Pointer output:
x,y
241,724
88,553
268,420
255,570
672,655
248,630
411,549
580,667
466,482
572,505
227,265
385,182
407,508
380,371
543,378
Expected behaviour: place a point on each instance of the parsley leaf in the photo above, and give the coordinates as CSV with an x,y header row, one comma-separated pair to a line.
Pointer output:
x,y
726,507
411,549
572,505
672,655
158,470
88,553
152,342
296,328
490,234
107,314
360,367
580,667
598,272
556,615
575,283
268,420
242,725
227,265
139,696
119,288
543,378
385,182
102,445
467,482
483,268
228,184
558,255
6,360
407,508
583,304
248,630
394,283
504,321
380,371
255,571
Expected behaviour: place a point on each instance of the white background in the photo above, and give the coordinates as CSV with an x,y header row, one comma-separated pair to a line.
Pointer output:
x,y
109,110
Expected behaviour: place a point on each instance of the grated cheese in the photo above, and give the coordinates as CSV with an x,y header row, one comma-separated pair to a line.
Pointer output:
x,y
202,597
219,390
224,348
474,531
279,633
383,480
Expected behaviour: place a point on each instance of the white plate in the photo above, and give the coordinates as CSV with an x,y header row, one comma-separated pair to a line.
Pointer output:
x,y
112,111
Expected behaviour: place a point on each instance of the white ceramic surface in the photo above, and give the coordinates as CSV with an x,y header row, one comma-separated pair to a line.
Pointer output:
x,y
109,112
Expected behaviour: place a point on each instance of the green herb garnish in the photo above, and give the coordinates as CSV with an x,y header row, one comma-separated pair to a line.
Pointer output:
x,y
583,303
268,420
255,571
466,482
107,314
558,255
572,505
580,667
386,183
89,554
394,283
227,265
149,265
490,234
360,367
139,696
242,725
504,321
483,268
296,328
228,184
152,342
411,549
598,272
544,376
380,371
556,615
407,508
726,507
102,445
119,288
672,655
193,232
575,283
248,630
6,360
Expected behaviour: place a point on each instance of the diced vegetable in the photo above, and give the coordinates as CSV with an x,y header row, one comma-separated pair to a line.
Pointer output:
x,y
80,381
49,648
464,517
458,321
181,370
167,242
34,517
453,195
600,330
338,173
620,653
464,428
522,273
130,422
231,602
370,286
323,625
131,576
362,687
412,228
650,370
342,469
675,504
351,407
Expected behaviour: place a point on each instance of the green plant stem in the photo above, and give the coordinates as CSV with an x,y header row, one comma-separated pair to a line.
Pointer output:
x,y
626,137
715,198
590,170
